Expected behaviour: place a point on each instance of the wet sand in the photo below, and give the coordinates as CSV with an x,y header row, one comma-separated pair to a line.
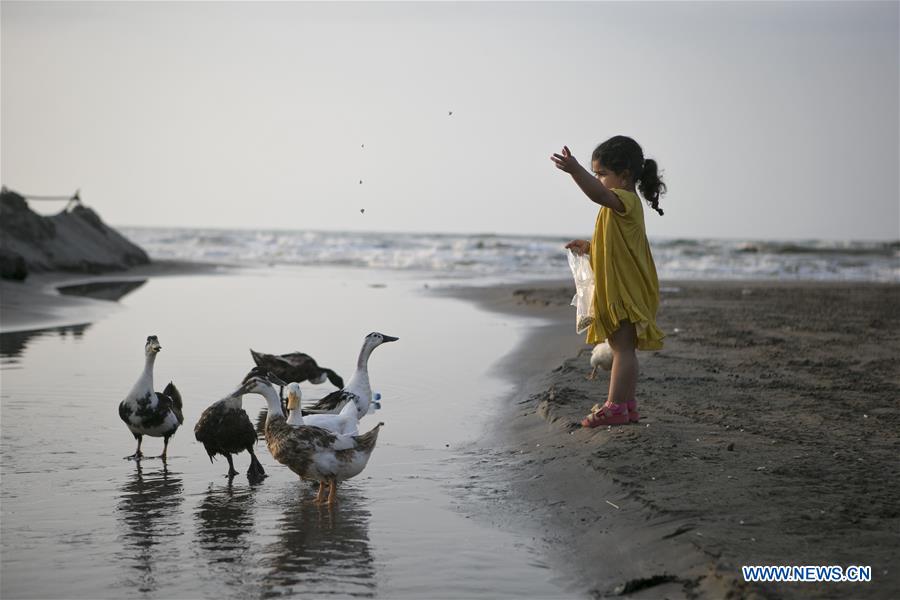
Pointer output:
x,y
769,435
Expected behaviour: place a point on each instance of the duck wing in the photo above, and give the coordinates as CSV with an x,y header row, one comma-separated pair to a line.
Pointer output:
x,y
124,412
300,360
261,423
366,442
174,398
223,429
333,401
335,379
295,446
289,367
308,369
208,422
270,362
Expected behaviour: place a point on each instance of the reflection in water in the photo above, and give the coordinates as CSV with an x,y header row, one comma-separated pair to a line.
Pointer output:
x,y
13,344
102,290
318,550
148,514
225,521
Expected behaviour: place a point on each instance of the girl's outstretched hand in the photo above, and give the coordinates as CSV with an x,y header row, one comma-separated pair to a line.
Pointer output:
x,y
579,246
565,161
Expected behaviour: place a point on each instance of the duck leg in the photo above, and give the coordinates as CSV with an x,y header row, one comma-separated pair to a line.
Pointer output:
x,y
256,470
137,453
320,497
332,492
231,470
165,448
593,374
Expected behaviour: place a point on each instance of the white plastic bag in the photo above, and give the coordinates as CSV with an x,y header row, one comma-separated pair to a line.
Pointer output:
x,y
583,301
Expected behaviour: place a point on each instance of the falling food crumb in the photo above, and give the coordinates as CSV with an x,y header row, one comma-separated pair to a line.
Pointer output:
x,y
360,182
362,211
362,145
450,113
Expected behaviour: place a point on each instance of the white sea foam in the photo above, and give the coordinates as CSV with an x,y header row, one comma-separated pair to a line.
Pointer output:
x,y
521,257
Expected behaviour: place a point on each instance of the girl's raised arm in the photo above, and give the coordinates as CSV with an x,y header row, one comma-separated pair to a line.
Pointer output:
x,y
590,185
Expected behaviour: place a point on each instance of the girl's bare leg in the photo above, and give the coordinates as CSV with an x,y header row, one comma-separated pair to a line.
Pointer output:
x,y
623,378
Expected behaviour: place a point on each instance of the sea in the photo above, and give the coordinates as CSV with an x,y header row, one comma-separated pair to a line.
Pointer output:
x,y
491,258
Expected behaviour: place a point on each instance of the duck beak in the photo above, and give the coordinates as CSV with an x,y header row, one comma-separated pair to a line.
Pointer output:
x,y
389,338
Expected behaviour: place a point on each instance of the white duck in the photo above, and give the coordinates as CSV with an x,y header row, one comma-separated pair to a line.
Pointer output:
x,y
147,412
358,389
345,422
311,452
601,357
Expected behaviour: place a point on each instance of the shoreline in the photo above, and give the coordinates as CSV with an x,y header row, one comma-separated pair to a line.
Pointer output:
x,y
768,420
38,303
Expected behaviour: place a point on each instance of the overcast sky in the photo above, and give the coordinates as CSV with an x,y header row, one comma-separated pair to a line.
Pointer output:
x,y
770,120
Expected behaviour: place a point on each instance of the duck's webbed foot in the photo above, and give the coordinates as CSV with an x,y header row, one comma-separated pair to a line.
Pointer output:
x,y
256,471
137,453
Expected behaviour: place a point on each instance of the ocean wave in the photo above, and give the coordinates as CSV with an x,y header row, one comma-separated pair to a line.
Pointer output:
x,y
523,257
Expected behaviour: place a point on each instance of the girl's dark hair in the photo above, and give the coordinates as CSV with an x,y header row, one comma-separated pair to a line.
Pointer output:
x,y
621,153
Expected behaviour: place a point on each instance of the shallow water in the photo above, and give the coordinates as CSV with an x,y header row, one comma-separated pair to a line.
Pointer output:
x,y
78,521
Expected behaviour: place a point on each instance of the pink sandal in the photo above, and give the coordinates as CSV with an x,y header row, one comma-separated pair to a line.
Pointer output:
x,y
608,414
633,415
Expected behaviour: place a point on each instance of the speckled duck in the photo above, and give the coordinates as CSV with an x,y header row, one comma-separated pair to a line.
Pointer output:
x,y
312,453
147,412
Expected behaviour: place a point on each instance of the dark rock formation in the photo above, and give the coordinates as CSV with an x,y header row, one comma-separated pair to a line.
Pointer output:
x,y
75,239
12,265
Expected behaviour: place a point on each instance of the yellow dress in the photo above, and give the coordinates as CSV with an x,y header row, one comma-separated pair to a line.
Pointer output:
x,y
626,286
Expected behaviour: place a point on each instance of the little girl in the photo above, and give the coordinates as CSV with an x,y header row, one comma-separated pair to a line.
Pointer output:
x,y
626,290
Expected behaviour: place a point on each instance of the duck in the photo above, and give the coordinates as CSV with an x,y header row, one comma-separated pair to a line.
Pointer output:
x,y
224,428
313,453
147,412
358,389
346,422
296,366
601,357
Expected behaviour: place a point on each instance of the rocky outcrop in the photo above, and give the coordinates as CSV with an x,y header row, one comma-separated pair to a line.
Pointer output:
x,y
74,240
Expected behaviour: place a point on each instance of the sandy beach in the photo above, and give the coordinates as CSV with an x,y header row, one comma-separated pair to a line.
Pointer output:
x,y
769,436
